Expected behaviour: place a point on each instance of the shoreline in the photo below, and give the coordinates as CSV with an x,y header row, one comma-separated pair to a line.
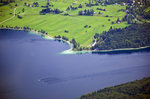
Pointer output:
x,y
45,36
70,51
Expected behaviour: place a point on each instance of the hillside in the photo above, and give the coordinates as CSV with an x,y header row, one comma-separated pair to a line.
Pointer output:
x,y
134,36
76,21
61,17
138,89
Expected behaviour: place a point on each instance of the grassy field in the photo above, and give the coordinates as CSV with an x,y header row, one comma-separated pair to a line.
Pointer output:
x,y
56,24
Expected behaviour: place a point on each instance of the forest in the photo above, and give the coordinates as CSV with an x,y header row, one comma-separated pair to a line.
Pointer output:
x,y
138,89
134,36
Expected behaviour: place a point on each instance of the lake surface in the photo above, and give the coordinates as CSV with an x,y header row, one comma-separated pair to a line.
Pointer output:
x,y
32,68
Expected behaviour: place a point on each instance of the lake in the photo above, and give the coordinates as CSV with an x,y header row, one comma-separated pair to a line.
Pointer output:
x,y
32,67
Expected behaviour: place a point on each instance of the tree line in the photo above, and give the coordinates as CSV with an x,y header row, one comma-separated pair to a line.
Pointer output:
x,y
134,36
49,10
86,12
71,8
74,43
138,89
6,1
104,2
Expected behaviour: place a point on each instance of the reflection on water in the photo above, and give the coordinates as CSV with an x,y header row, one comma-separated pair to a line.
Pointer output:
x,y
124,51
51,80
138,69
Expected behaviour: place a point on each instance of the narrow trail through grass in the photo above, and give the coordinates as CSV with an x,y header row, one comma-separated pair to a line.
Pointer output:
x,y
10,17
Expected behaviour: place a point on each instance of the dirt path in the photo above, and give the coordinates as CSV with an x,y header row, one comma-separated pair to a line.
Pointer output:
x,y
10,17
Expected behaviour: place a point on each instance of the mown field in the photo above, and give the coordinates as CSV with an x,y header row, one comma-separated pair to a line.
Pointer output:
x,y
56,24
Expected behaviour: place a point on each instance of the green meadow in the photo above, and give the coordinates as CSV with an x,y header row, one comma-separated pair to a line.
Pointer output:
x,y
56,24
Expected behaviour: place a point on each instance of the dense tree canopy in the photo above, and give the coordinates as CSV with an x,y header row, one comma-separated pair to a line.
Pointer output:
x,y
138,89
134,36
87,12
6,1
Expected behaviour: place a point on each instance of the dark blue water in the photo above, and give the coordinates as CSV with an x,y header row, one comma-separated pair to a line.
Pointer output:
x,y
32,68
